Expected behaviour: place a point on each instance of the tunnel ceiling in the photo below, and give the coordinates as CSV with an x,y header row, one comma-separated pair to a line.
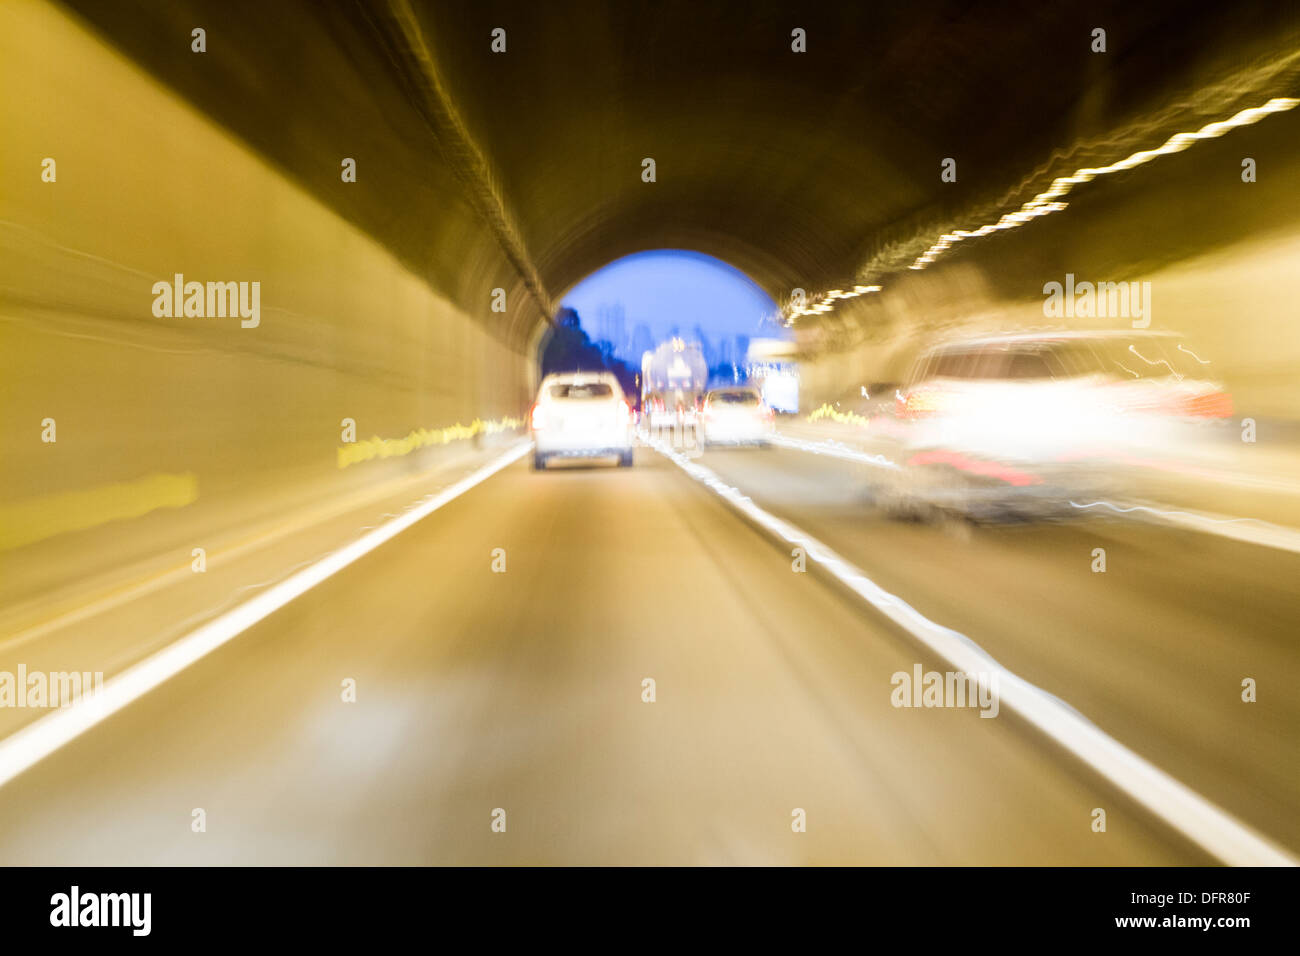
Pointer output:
x,y
791,166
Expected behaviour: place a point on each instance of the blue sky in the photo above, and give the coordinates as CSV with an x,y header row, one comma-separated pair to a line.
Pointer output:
x,y
668,287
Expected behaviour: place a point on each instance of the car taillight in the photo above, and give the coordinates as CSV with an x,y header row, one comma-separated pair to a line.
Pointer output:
x,y
537,417
921,402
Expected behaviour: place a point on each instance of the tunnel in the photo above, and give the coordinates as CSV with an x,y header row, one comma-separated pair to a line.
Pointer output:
x,y
264,259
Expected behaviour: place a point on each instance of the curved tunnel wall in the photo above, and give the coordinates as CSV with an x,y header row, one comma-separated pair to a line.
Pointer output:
x,y
375,296
146,187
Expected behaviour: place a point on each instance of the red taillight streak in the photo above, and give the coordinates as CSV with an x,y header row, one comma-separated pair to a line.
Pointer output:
x,y
989,469
1214,405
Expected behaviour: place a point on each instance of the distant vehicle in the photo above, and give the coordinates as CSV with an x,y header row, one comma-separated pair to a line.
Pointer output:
x,y
676,408
656,413
1038,415
675,364
581,415
674,375
737,415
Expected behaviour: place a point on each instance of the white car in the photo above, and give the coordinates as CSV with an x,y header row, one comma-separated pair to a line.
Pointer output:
x,y
1036,417
737,416
581,415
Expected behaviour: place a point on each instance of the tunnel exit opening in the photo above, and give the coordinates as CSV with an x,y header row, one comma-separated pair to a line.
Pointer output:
x,y
663,320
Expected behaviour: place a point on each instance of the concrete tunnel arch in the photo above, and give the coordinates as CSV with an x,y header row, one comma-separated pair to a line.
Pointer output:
x,y
376,293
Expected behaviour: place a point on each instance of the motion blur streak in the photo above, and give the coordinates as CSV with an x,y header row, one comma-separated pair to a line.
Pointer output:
x,y
1049,201
835,450
1185,810
1045,202
355,452
468,160
21,750
1250,530
411,204
24,522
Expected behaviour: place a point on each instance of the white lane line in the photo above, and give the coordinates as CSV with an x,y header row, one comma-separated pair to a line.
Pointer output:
x,y
38,740
835,450
1205,824
1249,530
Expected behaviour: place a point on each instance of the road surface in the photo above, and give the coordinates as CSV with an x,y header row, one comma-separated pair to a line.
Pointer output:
x,y
481,690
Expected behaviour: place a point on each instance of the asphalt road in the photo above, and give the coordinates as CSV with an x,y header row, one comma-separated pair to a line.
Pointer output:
x,y
1154,649
522,690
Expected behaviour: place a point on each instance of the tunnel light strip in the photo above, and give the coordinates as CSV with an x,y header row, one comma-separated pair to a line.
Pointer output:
x,y
827,410
1049,201
33,743
1205,824
376,447
824,303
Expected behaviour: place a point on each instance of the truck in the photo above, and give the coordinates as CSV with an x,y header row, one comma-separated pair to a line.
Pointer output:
x,y
673,380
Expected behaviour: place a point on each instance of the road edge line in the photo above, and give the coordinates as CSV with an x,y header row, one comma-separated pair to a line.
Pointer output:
x,y
32,743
